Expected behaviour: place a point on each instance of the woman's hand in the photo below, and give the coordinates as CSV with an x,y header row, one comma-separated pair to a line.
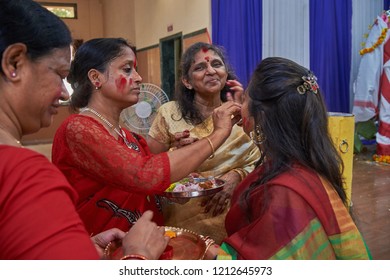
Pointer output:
x,y
183,139
145,238
212,252
102,239
221,200
226,115
237,90
236,94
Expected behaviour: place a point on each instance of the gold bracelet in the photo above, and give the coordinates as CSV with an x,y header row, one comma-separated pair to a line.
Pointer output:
x,y
240,173
134,256
212,147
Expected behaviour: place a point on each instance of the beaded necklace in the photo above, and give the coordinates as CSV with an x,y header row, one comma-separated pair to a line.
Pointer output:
x,y
121,133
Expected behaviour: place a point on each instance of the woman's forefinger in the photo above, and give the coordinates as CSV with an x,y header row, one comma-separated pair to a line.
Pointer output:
x,y
236,97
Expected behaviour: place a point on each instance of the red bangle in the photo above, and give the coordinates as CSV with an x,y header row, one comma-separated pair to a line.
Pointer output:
x,y
134,256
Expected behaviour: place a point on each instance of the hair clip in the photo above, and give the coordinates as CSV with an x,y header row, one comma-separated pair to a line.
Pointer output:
x,y
309,84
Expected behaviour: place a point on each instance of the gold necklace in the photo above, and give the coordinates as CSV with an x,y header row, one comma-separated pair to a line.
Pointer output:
x,y
9,134
120,133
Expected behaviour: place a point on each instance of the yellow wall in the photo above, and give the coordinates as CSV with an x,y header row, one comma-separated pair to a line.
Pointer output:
x,y
118,19
101,18
143,23
153,16
88,24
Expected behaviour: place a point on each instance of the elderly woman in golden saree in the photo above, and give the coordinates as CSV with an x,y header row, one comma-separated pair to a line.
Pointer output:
x,y
206,80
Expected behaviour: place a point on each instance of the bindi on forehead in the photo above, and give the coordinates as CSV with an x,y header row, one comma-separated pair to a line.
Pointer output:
x,y
207,58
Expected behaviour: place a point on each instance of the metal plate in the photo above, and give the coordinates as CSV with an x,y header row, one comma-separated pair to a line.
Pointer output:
x,y
191,194
186,245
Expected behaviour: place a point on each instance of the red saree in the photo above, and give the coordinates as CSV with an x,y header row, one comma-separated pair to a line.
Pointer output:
x,y
38,220
305,219
115,184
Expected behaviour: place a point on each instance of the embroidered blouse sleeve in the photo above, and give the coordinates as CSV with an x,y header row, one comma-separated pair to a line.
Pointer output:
x,y
99,154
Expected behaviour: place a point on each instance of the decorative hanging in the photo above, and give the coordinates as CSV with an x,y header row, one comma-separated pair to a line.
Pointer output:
x,y
385,16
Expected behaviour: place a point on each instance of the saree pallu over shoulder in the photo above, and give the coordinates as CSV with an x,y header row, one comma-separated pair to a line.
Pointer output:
x,y
304,219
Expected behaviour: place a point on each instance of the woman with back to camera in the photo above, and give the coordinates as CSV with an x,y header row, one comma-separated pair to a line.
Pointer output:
x,y
293,205
112,168
38,219
206,78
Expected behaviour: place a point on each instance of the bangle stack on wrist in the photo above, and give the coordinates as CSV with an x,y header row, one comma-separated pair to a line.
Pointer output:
x,y
209,242
240,172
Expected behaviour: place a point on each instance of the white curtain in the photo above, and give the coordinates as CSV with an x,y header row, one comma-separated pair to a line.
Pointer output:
x,y
363,14
286,30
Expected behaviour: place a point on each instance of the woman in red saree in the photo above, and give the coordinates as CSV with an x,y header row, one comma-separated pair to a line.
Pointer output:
x,y
293,205
38,219
111,168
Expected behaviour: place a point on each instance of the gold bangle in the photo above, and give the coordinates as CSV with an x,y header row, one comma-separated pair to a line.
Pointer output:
x,y
134,256
240,173
212,147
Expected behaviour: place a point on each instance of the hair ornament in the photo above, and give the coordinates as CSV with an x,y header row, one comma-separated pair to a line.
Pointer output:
x,y
309,84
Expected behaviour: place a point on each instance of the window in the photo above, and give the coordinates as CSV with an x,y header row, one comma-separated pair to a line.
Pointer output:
x,y
62,10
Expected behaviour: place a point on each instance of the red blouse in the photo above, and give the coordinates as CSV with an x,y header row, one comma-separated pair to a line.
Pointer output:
x,y
38,219
115,183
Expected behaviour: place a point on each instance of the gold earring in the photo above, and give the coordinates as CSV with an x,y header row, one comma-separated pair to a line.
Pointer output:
x,y
257,135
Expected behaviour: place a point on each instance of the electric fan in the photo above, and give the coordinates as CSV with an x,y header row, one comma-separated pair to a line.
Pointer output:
x,y
139,117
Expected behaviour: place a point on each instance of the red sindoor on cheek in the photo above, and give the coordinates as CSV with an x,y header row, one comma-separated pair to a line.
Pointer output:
x,y
121,83
130,82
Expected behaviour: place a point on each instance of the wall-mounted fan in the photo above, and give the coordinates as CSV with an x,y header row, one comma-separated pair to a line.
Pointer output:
x,y
139,117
